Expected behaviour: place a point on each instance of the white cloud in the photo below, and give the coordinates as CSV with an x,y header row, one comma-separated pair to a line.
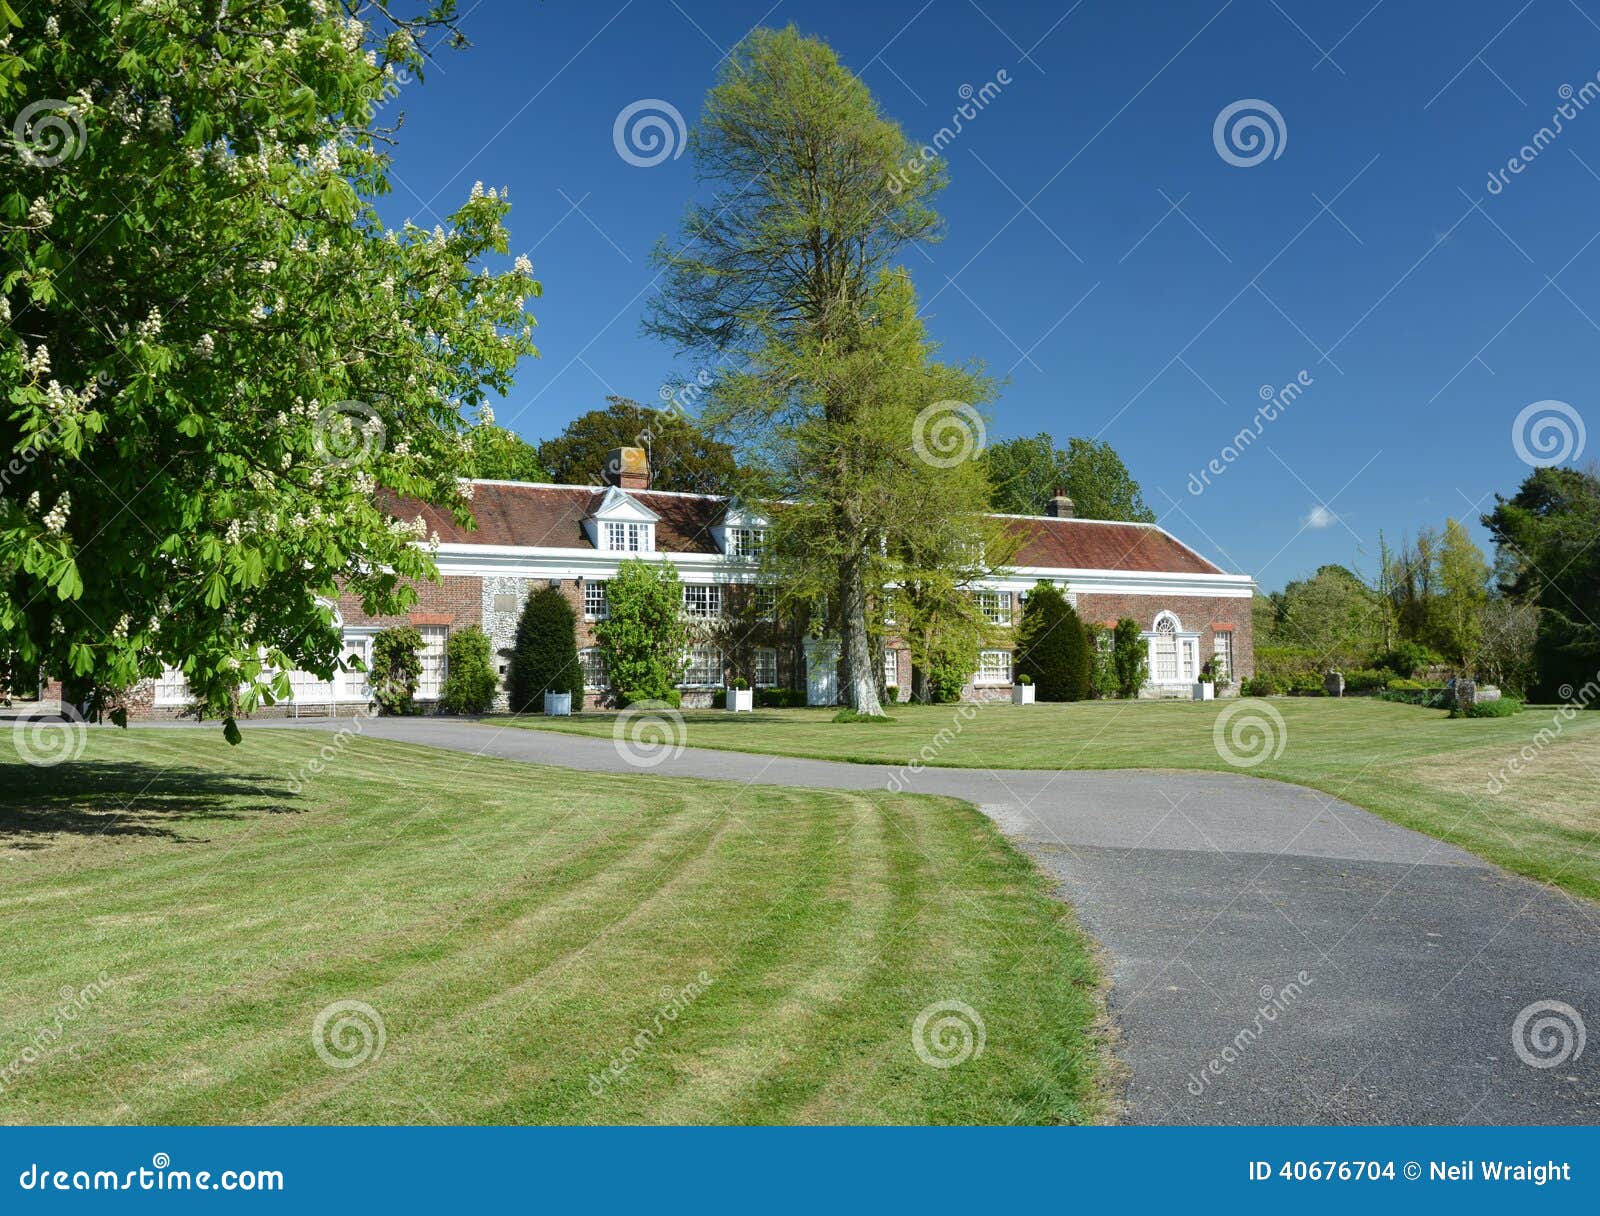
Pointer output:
x,y
1321,517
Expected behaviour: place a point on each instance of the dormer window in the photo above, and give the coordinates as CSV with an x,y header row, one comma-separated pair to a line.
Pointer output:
x,y
746,542
627,537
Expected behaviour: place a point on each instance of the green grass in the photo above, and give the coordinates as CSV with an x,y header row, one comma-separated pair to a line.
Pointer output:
x,y
1417,767
515,928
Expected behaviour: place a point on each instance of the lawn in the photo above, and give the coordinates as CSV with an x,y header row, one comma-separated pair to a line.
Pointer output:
x,y
538,946
1418,767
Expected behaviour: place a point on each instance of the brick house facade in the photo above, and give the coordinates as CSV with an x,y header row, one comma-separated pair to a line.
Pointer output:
x,y
528,536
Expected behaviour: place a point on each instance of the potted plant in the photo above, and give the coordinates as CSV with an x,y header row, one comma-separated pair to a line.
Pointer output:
x,y
741,697
558,704
1022,691
1205,688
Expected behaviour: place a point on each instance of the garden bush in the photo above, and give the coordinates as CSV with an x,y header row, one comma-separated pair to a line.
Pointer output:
x,y
780,698
1367,679
469,682
544,657
891,693
1130,657
671,698
1052,646
396,667
1408,658
645,636
1503,708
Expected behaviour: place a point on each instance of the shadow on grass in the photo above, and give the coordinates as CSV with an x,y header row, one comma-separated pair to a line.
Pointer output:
x,y
128,799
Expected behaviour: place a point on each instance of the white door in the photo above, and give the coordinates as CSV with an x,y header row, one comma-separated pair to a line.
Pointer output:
x,y
822,673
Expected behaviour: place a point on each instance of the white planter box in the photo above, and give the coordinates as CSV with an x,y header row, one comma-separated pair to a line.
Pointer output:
x,y
741,700
1205,691
558,704
1022,694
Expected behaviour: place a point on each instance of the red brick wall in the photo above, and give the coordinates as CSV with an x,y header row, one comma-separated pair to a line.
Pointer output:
x,y
456,600
1195,612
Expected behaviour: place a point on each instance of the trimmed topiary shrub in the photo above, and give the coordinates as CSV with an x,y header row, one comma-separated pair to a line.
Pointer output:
x,y
780,698
469,680
544,657
672,698
1052,647
396,667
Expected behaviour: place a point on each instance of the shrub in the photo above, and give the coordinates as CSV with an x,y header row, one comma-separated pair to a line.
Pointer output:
x,y
947,675
1102,662
1428,698
1408,658
1130,657
740,683
1367,679
672,698
469,681
396,667
1261,686
719,699
544,657
779,698
891,693
1025,679
1052,648
1503,708
644,638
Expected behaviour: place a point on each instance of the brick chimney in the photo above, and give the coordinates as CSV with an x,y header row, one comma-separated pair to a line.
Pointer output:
x,y
628,468
1060,505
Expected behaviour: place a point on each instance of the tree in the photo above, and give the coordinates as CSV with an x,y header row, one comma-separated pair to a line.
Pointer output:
x,y
1332,613
544,657
213,354
785,276
1052,646
1130,656
683,457
1026,472
644,637
1463,581
1546,556
396,667
502,455
469,681
1510,633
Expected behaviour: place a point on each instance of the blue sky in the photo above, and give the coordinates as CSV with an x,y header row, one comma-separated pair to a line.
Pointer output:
x,y
1102,256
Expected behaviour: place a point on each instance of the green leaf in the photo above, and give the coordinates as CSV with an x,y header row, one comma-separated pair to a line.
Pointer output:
x,y
230,732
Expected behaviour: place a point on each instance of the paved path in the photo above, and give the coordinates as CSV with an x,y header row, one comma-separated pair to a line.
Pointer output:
x,y
1278,956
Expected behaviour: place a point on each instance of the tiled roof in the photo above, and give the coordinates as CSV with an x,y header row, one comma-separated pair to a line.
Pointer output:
x,y
542,516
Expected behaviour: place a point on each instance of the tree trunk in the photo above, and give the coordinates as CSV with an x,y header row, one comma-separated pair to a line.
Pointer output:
x,y
860,681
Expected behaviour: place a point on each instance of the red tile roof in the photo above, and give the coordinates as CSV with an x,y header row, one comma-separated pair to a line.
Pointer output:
x,y
552,517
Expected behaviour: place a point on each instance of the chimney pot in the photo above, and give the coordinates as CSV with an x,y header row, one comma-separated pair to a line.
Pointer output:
x,y
627,468
1061,507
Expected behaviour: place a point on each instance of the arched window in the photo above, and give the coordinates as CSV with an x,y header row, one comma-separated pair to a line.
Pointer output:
x,y
1164,649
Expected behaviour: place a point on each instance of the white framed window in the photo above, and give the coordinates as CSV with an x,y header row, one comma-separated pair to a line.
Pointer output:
x,y
306,689
172,688
593,662
891,666
705,667
994,667
1222,656
764,602
353,685
702,599
746,542
594,600
766,667
1164,651
623,537
995,606
431,682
